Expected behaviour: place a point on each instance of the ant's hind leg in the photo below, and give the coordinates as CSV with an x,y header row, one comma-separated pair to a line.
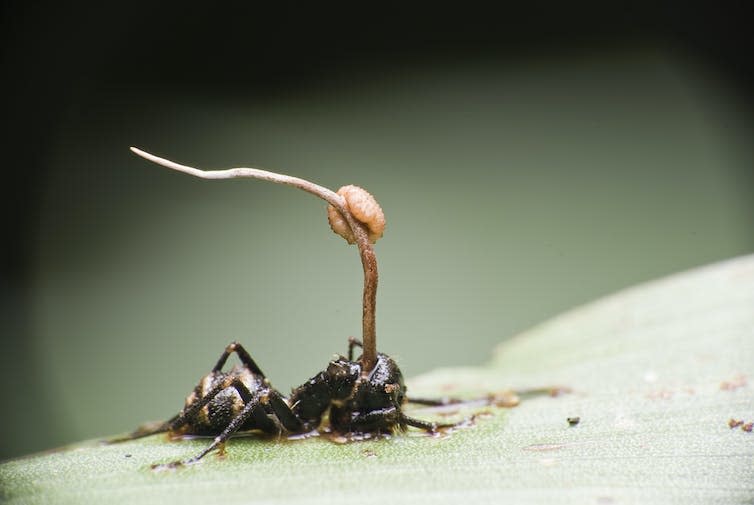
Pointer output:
x,y
507,398
188,413
252,408
144,430
243,355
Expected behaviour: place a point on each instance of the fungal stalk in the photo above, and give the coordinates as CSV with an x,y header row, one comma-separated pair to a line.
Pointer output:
x,y
353,214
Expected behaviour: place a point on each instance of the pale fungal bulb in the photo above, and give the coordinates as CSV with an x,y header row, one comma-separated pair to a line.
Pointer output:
x,y
364,208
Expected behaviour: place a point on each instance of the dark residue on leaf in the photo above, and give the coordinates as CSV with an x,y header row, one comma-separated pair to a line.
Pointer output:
x,y
734,423
164,467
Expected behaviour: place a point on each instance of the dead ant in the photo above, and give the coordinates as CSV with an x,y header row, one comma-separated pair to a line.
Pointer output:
x,y
361,398
243,399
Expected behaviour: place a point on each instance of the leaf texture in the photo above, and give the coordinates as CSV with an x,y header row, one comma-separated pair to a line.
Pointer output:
x,y
656,373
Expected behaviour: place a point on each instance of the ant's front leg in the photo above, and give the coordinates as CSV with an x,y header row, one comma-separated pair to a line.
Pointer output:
x,y
507,398
386,419
428,426
188,413
436,402
501,399
353,342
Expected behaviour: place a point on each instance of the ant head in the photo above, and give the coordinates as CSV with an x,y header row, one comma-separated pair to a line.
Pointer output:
x,y
386,382
342,376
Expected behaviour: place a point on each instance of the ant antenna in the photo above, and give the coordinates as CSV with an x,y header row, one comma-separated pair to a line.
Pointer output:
x,y
357,228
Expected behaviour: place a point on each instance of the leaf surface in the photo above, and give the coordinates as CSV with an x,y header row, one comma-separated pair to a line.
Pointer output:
x,y
656,373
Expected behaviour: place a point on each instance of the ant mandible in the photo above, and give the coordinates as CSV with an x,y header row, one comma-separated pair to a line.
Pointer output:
x,y
360,397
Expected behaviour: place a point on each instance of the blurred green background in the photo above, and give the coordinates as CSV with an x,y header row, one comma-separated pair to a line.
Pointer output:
x,y
514,188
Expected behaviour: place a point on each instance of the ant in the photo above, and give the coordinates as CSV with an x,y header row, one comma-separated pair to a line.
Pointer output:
x,y
360,398
243,399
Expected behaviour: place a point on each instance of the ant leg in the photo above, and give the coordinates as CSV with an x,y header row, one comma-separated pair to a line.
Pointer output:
x,y
375,420
439,402
501,399
191,411
426,425
243,355
252,408
353,342
391,416
183,417
283,412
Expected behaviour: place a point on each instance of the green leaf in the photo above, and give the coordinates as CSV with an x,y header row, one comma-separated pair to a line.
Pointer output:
x,y
656,372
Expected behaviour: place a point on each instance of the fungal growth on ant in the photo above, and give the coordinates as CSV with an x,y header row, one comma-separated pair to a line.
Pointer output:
x,y
353,214
359,398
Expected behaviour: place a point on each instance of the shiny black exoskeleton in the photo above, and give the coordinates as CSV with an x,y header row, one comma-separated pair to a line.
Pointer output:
x,y
357,404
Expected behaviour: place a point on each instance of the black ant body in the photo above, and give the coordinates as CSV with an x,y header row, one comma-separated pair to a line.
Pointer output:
x,y
356,403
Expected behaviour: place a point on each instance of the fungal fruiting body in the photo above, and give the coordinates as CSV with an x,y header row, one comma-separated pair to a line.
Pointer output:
x,y
364,208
